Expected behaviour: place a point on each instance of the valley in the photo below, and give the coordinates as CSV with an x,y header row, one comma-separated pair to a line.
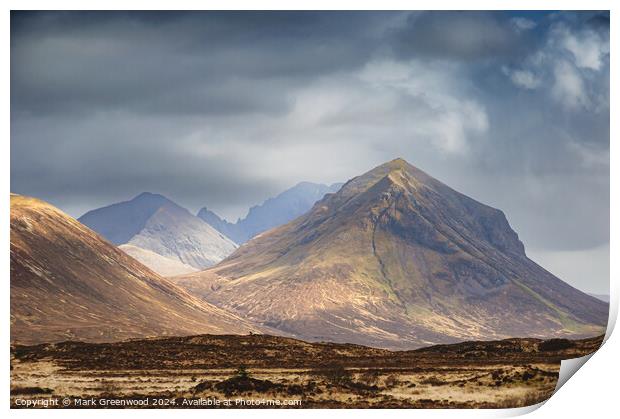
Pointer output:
x,y
394,291
210,371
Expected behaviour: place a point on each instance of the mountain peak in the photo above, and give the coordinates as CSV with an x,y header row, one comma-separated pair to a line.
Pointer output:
x,y
398,172
121,221
398,163
411,261
146,194
69,283
157,224
151,197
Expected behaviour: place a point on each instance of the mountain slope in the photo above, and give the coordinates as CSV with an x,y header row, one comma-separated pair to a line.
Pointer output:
x,y
160,264
175,233
397,259
602,297
276,211
118,223
69,283
155,223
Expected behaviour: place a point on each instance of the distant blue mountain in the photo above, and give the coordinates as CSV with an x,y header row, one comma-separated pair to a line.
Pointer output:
x,y
120,222
276,211
151,224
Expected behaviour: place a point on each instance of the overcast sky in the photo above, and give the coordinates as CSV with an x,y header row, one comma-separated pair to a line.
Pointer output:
x,y
227,109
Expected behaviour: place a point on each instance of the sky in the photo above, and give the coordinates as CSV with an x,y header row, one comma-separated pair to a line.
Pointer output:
x,y
225,109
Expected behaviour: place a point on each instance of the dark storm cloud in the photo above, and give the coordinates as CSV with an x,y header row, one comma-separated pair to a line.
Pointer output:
x,y
116,160
199,62
459,35
228,108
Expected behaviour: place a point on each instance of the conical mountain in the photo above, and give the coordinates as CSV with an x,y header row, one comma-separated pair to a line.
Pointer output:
x,y
67,282
119,222
397,259
175,233
151,223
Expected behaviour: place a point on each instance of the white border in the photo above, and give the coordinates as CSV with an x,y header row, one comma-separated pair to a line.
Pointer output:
x,y
310,5
592,394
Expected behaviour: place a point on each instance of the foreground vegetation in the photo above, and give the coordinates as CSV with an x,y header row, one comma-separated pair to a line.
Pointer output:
x,y
268,371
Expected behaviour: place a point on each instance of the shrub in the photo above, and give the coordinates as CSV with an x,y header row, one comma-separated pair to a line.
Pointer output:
x,y
242,372
30,390
392,381
370,377
555,345
335,374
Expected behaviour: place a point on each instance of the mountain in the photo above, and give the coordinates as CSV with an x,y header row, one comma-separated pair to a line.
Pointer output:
x,y
154,223
120,222
276,211
397,259
228,229
160,264
67,282
602,297
175,233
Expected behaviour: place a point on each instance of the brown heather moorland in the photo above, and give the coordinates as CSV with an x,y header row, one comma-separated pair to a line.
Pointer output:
x,y
182,370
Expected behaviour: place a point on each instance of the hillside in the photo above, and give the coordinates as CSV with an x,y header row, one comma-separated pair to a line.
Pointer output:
x,y
67,282
397,259
154,223
162,265
275,211
175,233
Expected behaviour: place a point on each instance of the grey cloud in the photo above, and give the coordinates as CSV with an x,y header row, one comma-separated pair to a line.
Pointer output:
x,y
458,35
227,109
143,62
97,161
523,24
571,65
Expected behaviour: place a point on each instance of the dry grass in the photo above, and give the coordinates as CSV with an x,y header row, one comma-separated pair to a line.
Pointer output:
x,y
320,375
457,387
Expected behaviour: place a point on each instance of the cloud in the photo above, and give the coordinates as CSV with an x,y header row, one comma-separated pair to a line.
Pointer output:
x,y
566,66
568,88
200,62
426,100
455,35
590,156
523,24
225,109
523,78
578,268
589,48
